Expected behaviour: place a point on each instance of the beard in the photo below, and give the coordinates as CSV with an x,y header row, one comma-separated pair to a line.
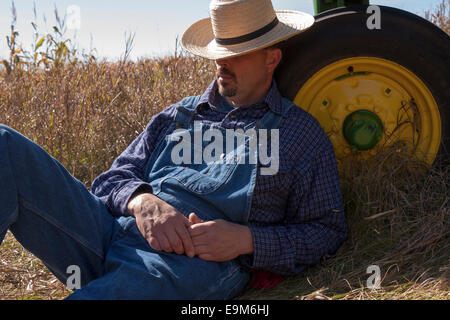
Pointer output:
x,y
226,89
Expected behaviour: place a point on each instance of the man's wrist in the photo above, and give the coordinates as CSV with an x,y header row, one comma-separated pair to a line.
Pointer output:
x,y
129,194
135,202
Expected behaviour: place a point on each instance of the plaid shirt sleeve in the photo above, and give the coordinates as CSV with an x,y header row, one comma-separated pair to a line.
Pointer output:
x,y
316,224
126,175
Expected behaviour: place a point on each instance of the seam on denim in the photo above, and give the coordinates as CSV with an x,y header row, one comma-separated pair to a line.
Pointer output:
x,y
52,221
239,283
157,151
233,271
224,277
211,289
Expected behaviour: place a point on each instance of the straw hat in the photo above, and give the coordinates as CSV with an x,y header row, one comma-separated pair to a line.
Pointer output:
x,y
239,27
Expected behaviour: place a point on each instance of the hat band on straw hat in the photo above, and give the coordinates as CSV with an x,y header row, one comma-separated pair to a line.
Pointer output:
x,y
250,36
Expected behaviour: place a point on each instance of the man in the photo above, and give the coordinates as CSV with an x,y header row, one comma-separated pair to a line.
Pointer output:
x,y
159,228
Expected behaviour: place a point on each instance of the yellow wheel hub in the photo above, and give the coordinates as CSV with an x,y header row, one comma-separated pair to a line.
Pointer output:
x,y
403,103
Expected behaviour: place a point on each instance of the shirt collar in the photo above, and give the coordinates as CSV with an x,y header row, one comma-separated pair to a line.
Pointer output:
x,y
218,103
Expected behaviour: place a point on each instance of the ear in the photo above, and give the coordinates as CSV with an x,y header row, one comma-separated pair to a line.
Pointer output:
x,y
273,59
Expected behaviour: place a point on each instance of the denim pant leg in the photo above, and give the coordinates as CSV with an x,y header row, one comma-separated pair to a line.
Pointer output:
x,y
133,270
49,212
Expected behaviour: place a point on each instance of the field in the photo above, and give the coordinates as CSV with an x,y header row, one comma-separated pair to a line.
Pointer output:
x,y
85,111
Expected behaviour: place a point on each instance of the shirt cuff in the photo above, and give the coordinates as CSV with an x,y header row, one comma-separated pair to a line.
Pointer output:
x,y
127,191
264,249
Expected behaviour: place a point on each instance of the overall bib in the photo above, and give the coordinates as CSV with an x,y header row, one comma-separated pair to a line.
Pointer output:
x,y
218,189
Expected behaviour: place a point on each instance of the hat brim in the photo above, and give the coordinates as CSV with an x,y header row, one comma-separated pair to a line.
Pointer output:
x,y
199,38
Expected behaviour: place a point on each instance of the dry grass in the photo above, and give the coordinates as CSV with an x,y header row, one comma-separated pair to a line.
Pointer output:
x,y
103,105
24,277
85,113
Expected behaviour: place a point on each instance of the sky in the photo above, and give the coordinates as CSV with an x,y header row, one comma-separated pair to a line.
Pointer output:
x,y
156,24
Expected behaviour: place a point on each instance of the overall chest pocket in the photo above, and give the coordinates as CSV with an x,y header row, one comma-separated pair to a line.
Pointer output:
x,y
206,177
189,161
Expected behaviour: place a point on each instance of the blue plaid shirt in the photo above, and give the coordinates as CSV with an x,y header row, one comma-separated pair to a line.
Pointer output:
x,y
297,215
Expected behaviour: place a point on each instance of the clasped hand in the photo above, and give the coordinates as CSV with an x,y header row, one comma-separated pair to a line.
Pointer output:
x,y
166,229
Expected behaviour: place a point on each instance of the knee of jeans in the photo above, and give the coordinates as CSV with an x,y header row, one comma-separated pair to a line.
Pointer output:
x,y
8,132
5,130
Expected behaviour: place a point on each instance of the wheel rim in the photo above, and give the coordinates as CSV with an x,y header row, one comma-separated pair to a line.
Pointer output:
x,y
388,91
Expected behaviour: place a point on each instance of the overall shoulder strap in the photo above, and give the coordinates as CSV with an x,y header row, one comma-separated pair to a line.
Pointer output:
x,y
271,120
286,105
186,111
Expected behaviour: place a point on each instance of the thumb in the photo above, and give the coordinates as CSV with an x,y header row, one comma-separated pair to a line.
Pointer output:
x,y
194,219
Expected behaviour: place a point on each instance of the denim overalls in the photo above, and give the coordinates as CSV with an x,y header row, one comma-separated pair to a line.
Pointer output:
x,y
129,268
221,189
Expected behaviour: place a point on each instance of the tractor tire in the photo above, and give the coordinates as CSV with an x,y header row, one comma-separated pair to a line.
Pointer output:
x,y
340,66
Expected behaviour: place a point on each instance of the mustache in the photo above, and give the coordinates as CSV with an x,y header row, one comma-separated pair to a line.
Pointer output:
x,y
224,72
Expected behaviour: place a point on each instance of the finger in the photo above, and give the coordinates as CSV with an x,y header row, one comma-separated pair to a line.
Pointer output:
x,y
202,249
154,243
175,241
186,241
199,240
206,257
164,242
198,229
187,222
194,218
